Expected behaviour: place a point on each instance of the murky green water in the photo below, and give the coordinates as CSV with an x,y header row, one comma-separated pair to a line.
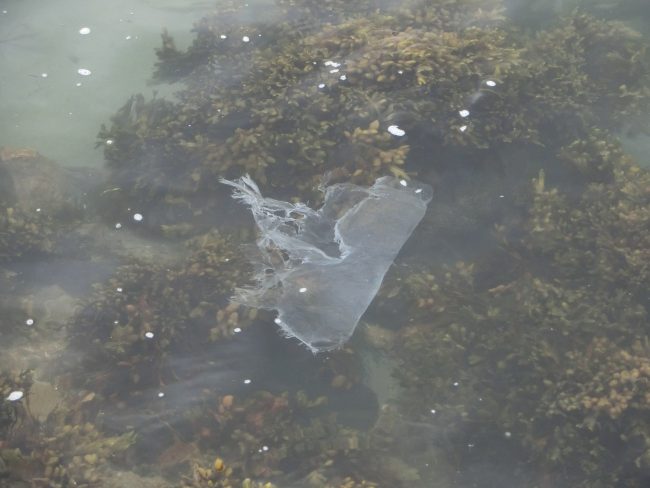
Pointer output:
x,y
508,343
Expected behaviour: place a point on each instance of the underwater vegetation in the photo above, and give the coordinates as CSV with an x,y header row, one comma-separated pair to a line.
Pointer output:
x,y
264,433
524,363
37,205
25,234
58,448
40,213
362,97
551,352
146,309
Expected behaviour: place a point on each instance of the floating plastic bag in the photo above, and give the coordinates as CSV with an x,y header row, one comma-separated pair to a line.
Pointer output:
x,y
322,268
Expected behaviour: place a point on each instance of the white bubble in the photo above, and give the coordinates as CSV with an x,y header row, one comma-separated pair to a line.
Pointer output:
x,y
419,190
490,83
333,64
321,85
502,196
303,290
433,411
118,226
84,72
265,448
462,128
395,130
29,321
343,77
161,394
84,31
137,217
43,75
78,84
148,335
109,142
403,182
14,396
246,39
128,38
223,36
463,113
277,321
247,381
118,289
400,72
335,70
507,434
237,330
38,209
456,383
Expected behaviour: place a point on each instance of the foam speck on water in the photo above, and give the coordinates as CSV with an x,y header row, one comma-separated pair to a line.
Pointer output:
x,y
321,268
396,131
14,396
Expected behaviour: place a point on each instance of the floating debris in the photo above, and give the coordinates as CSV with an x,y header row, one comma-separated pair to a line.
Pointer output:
x,y
342,251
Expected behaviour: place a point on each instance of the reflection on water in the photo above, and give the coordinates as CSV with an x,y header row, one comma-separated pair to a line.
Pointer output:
x,y
507,345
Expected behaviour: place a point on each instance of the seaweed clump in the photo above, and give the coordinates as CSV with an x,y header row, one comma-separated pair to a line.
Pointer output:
x,y
59,450
36,208
147,310
541,348
291,437
25,234
363,95
39,217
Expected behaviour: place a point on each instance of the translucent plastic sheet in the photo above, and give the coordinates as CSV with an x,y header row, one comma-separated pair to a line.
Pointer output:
x,y
322,268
